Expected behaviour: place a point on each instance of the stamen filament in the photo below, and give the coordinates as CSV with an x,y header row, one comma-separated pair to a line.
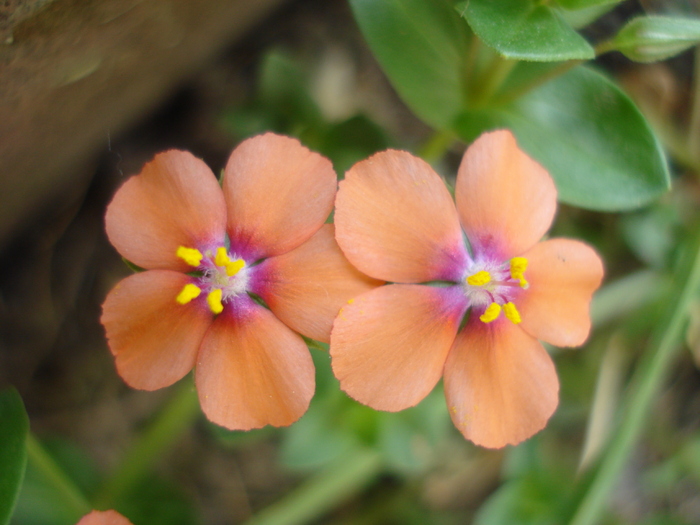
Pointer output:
x,y
191,256
214,301
189,292
491,313
512,313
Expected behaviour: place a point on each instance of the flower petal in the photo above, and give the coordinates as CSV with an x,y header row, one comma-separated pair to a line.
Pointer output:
x,y
396,221
506,201
278,194
252,370
306,287
389,346
153,337
108,517
563,274
175,201
501,385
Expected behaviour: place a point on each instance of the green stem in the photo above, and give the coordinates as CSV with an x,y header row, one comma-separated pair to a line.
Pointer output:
x,y
323,492
497,73
437,145
44,463
176,416
646,382
525,88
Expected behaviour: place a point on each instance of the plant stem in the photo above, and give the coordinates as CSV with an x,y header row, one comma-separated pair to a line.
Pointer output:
x,y
437,145
497,73
173,420
324,491
524,89
646,382
44,463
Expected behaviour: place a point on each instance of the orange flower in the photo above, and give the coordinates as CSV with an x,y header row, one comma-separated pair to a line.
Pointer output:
x,y
209,253
108,517
395,221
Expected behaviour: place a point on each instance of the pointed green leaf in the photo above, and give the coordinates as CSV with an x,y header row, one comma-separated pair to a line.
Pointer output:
x,y
653,38
589,135
525,30
14,426
421,46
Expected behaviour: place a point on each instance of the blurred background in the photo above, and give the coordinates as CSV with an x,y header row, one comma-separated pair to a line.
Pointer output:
x,y
90,90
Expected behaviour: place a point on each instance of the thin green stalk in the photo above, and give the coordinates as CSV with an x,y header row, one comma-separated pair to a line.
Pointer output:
x,y
497,73
437,145
324,491
44,463
525,88
163,433
646,383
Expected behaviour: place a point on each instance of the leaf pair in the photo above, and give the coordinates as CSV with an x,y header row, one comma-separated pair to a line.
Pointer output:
x,y
589,135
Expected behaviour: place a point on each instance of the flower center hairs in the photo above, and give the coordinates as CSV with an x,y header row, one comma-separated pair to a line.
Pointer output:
x,y
495,286
222,276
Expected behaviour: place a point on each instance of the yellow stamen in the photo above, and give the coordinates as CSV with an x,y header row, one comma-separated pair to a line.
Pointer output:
x,y
491,313
221,258
512,312
189,292
479,278
518,265
214,301
232,268
191,256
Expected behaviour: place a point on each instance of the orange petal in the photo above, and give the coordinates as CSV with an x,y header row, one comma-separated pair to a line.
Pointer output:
x,y
175,201
278,195
154,338
395,221
108,517
501,385
506,201
252,370
306,287
389,346
563,274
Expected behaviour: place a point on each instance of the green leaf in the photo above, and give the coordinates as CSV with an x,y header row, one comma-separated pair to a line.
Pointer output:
x,y
589,135
583,4
653,38
525,30
422,46
14,427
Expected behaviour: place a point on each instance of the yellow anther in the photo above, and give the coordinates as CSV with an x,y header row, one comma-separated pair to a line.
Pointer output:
x,y
518,265
350,301
491,313
512,312
221,258
189,292
232,268
191,256
214,301
479,278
